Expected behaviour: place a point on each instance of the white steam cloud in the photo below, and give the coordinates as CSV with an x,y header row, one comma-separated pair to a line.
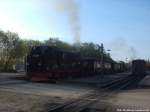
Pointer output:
x,y
122,49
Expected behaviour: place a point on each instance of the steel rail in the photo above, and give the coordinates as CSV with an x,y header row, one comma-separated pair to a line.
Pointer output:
x,y
83,102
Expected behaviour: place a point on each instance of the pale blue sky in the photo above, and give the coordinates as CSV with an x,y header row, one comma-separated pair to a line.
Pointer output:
x,y
122,25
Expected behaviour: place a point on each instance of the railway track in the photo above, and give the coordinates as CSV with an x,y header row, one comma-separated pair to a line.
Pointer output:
x,y
106,90
12,82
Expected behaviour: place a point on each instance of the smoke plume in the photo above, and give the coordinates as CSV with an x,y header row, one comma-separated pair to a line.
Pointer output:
x,y
119,44
123,49
70,9
133,53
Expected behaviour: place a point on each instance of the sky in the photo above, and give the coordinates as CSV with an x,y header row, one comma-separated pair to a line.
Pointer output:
x,y
123,26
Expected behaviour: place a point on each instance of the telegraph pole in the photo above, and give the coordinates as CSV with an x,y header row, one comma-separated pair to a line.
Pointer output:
x,y
102,52
102,62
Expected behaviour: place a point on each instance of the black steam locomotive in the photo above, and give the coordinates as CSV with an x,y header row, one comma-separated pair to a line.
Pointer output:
x,y
45,63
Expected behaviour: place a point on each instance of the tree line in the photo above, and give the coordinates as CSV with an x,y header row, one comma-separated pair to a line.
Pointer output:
x,y
13,49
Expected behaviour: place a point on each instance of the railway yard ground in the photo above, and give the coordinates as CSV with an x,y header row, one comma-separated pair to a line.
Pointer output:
x,y
19,95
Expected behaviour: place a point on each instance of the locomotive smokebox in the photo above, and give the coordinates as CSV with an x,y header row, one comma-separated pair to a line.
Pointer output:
x,y
138,67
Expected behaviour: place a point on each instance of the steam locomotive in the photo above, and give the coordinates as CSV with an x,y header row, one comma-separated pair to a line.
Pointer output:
x,y
45,63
